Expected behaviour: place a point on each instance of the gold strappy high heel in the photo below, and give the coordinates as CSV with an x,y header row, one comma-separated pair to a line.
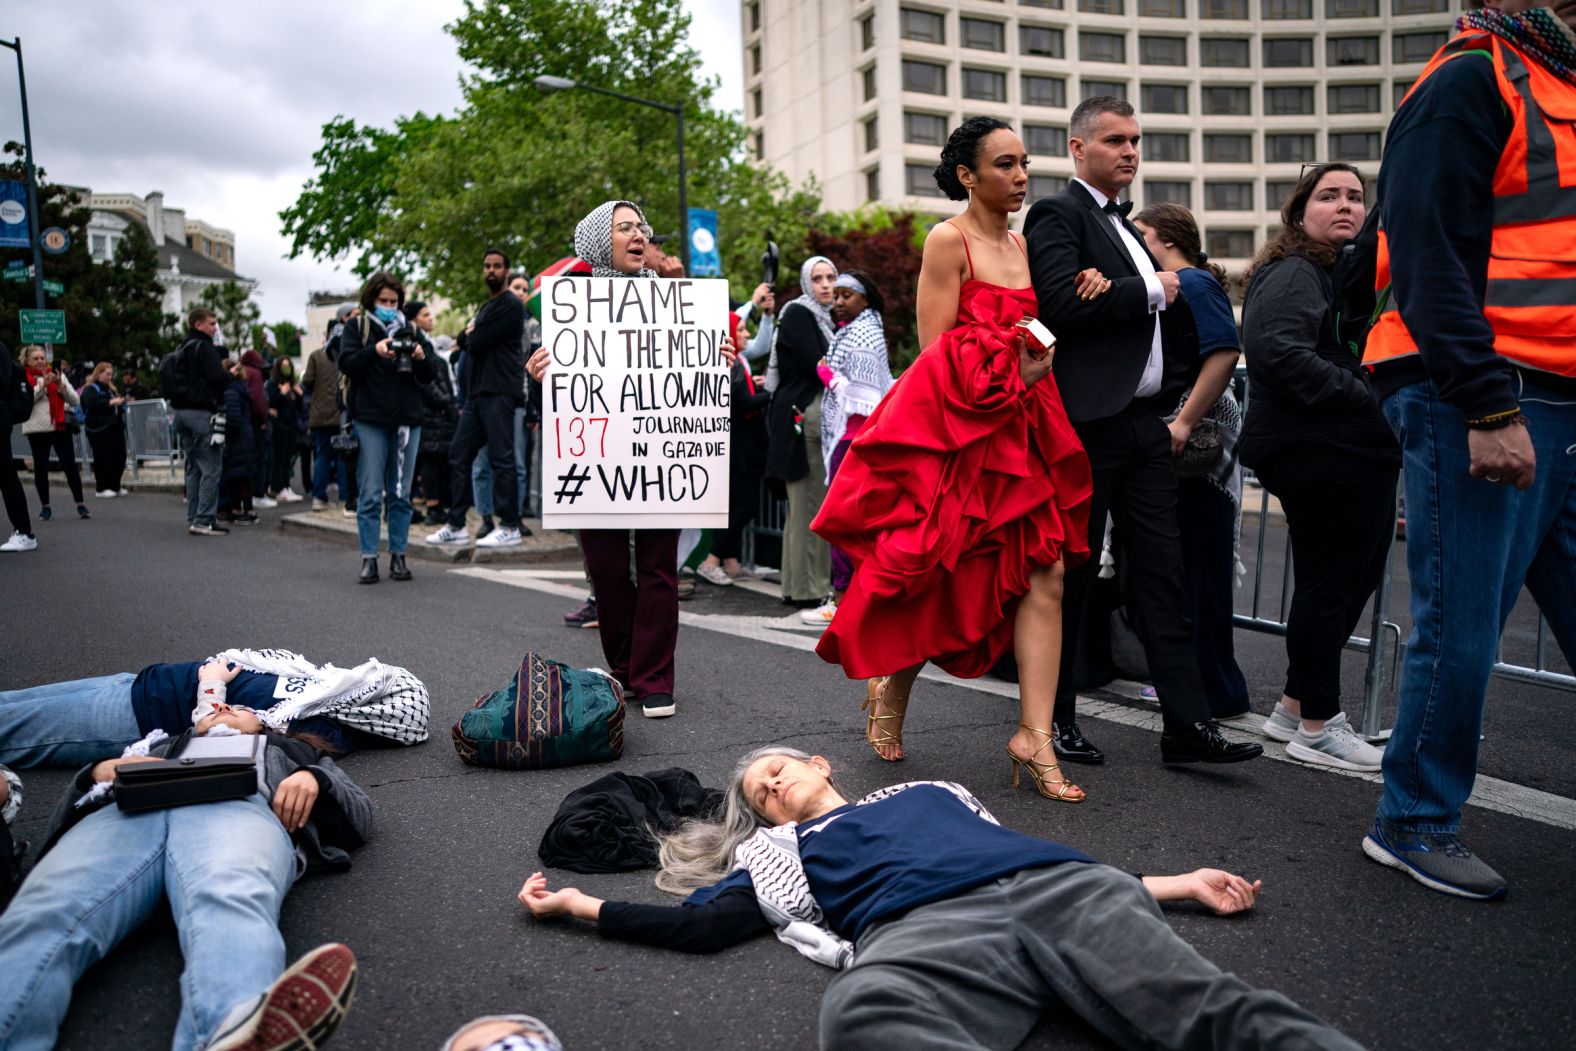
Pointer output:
x,y
876,734
1043,781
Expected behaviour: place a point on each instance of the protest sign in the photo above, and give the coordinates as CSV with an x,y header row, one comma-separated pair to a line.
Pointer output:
x,y
634,403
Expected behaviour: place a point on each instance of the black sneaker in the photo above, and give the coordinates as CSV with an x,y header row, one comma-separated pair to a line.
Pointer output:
x,y
584,616
1439,861
658,706
83,512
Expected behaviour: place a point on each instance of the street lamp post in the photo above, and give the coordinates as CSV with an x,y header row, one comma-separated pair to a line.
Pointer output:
x,y
32,179
550,84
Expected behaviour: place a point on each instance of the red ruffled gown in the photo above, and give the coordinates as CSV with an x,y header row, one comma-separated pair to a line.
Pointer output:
x,y
961,483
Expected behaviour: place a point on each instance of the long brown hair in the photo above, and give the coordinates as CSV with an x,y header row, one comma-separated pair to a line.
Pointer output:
x,y
1175,226
1292,239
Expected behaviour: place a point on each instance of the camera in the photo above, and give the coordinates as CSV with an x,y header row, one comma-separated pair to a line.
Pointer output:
x,y
218,428
403,344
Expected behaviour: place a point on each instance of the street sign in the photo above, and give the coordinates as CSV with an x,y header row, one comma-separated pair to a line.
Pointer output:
x,y
43,326
54,240
17,277
54,288
14,263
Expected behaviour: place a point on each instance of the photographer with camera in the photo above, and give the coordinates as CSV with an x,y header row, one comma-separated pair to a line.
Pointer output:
x,y
387,361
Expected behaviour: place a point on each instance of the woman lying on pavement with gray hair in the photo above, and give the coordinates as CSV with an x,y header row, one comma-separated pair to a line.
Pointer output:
x,y
950,931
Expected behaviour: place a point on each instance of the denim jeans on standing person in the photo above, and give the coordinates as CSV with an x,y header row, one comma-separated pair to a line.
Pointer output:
x,y
1470,546
67,723
522,461
481,484
385,465
204,460
326,462
225,868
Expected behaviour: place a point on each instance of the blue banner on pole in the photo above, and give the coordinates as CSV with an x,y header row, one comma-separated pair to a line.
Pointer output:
x,y
13,214
704,259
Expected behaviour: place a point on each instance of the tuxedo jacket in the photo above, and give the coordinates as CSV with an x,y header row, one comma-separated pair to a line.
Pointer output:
x,y
1102,344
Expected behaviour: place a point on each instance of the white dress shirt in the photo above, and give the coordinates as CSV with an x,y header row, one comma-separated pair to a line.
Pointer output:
x,y
1149,382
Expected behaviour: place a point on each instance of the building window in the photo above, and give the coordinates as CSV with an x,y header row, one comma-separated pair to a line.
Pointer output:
x,y
1043,91
760,145
1289,148
1351,8
755,60
1042,41
1277,192
1353,98
1223,196
1228,148
926,77
1047,140
1354,145
869,78
1101,7
1168,191
1164,98
756,103
1114,88
1229,244
872,134
1288,52
927,27
1286,10
924,129
1351,51
920,181
867,32
1417,47
1162,50
1227,102
981,35
1398,92
1045,186
1223,9
1057,4
873,184
755,16
987,84
100,248
1162,8
1420,7
1224,52
1288,101
1102,47
1166,146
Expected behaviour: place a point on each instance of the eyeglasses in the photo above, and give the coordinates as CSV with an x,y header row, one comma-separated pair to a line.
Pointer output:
x,y
627,229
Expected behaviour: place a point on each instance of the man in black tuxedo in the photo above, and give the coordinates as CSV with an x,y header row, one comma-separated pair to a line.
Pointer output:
x,y
1121,365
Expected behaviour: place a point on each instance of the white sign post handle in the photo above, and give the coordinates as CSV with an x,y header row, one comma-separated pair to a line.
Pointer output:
x,y
635,403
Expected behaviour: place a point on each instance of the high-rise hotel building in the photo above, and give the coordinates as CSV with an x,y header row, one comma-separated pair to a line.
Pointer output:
x,y
1234,95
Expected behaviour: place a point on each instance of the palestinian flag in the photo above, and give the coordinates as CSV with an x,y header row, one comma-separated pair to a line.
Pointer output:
x,y
567,265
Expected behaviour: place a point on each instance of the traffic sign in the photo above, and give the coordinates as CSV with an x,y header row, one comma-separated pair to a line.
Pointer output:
x,y
54,288
43,326
16,276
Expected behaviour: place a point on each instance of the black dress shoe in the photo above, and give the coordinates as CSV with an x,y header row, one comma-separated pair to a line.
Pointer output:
x,y
369,571
397,568
1070,744
1204,743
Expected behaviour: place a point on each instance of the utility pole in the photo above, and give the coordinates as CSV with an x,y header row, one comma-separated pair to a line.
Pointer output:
x,y
33,217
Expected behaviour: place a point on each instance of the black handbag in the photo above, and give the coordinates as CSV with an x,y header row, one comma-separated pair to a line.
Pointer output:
x,y
198,770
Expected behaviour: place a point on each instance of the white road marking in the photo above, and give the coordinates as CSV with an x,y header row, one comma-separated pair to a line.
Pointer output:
x,y
788,631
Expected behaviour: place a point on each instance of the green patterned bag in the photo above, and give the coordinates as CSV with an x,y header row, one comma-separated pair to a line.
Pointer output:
x,y
549,714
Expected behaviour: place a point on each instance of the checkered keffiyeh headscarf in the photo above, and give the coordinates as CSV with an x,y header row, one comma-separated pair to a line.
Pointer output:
x,y
594,240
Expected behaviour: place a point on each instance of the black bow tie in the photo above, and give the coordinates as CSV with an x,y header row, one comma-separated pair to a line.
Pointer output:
x,y
1124,209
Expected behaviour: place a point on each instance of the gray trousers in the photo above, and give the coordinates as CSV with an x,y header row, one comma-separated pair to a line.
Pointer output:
x,y
204,460
977,971
807,559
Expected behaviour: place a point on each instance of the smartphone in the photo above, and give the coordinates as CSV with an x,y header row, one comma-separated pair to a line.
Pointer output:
x,y
1038,336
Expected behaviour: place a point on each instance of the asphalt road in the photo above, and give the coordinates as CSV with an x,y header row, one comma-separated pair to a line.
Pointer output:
x,y
429,906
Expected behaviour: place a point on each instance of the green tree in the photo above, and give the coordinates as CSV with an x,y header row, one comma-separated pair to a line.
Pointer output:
x,y
517,169
232,306
287,339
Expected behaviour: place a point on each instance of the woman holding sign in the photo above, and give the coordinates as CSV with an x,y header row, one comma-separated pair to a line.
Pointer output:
x,y
967,492
638,619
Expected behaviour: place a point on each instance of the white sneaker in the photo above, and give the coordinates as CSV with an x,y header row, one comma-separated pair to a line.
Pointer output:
x,y
1281,725
106,494
319,505
123,492
449,535
1336,745
289,496
821,616
503,536
714,575
20,542
263,501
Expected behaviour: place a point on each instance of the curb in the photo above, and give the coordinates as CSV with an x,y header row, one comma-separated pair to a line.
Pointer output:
x,y
544,546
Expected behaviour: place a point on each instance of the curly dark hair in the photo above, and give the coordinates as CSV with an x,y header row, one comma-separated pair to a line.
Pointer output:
x,y
377,283
963,147
1292,239
873,297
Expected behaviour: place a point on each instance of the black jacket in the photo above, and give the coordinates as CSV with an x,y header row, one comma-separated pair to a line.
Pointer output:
x,y
800,346
98,414
240,441
287,407
205,360
379,393
1102,344
438,409
747,437
495,347
1304,386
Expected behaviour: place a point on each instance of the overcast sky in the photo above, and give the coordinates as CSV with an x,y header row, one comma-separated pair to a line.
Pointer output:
x,y
220,106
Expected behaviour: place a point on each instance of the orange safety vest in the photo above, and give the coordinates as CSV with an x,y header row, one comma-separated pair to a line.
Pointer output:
x,y
1531,293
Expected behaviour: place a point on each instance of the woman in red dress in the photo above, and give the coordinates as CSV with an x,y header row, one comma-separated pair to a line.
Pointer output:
x,y
967,492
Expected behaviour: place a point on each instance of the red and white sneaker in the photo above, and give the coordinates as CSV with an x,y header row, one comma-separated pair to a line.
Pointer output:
x,y
300,1010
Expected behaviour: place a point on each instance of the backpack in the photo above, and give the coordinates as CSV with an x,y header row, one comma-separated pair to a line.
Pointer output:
x,y
548,714
182,384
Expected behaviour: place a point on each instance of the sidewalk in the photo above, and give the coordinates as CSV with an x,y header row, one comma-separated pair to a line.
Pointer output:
x,y
334,525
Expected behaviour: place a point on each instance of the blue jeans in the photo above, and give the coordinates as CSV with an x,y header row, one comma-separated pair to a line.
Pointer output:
x,y
325,461
225,868
67,723
204,460
522,460
481,485
386,464
1471,544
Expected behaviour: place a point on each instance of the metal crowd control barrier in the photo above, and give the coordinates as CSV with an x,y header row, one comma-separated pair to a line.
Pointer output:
x,y
150,437
769,520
